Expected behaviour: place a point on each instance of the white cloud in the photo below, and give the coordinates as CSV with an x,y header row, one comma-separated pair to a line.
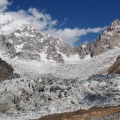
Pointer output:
x,y
37,19
63,23
72,35
3,5
46,24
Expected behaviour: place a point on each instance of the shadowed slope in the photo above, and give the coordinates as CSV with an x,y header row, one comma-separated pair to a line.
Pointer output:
x,y
115,68
6,71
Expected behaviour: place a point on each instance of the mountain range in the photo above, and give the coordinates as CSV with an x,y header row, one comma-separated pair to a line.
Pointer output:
x,y
18,39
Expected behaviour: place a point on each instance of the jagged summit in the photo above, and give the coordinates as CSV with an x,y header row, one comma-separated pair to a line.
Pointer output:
x,y
116,23
108,40
5,19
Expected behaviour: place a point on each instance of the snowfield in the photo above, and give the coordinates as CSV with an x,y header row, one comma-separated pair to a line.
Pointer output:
x,y
70,69
48,87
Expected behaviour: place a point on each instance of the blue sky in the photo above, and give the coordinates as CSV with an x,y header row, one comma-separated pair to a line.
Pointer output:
x,y
74,21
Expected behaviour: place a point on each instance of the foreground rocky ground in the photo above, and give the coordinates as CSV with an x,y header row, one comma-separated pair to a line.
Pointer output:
x,y
95,113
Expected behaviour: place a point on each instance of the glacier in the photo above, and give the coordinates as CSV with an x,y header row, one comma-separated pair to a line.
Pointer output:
x,y
49,87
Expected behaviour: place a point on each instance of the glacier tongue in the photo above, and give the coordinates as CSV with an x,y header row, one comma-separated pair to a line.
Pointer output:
x,y
30,98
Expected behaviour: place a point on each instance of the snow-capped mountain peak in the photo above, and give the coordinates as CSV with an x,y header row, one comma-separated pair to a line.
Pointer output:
x,y
20,40
5,19
14,26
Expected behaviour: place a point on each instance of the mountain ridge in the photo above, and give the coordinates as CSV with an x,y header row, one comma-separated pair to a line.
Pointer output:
x,y
108,40
20,40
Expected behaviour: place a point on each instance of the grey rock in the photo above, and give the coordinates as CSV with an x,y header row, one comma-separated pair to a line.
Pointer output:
x,y
106,41
6,71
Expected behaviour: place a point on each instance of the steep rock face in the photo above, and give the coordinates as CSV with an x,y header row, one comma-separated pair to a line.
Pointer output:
x,y
19,39
108,40
84,50
115,68
6,71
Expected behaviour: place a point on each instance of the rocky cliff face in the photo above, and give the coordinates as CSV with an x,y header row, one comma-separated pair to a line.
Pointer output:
x,y
108,40
115,68
6,71
84,50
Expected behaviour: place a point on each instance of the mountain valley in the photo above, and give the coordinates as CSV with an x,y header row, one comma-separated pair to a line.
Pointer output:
x,y
44,75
